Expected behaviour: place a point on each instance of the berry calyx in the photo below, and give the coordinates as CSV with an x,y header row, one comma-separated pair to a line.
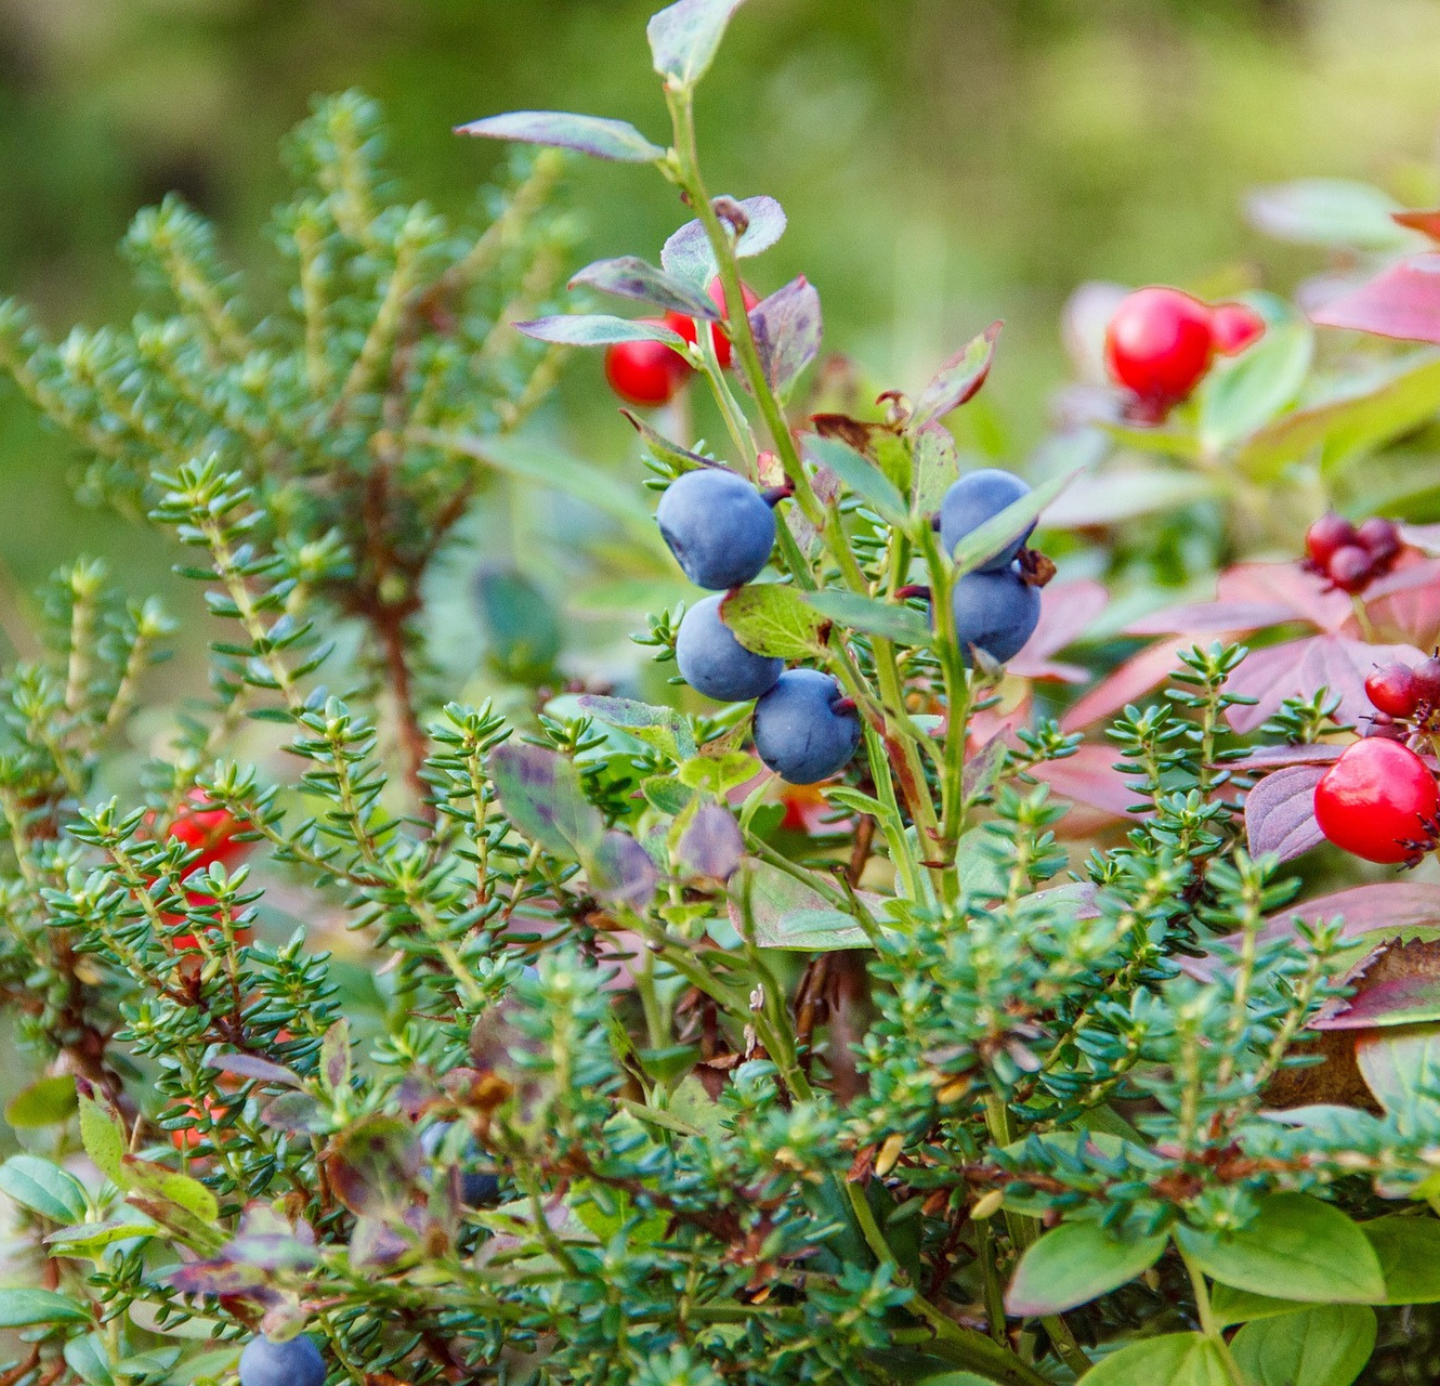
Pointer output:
x,y
1392,690
294,1362
718,526
1379,802
1328,534
647,374
1159,345
1235,327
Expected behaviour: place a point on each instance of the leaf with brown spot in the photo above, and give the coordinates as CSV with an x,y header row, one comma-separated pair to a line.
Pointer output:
x,y
1397,985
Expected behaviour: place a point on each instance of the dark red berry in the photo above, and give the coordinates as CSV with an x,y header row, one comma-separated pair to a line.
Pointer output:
x,y
1159,344
1392,690
678,322
1328,533
1380,538
645,373
1378,801
1235,327
1427,681
1350,567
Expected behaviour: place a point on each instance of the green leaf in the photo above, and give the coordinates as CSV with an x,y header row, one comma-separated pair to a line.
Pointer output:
x,y
786,913
1231,1306
1176,1359
666,795
540,793
171,1186
859,475
1401,1066
955,1379
936,465
89,1360
103,1139
685,37
773,620
597,329
1075,1263
1296,1248
688,255
1327,1345
335,1058
661,727
887,619
593,135
1408,1249
22,1308
45,1103
981,545
90,1239
631,277
1248,393
43,1188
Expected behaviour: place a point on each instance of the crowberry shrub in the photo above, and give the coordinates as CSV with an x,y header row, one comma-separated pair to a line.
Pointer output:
x,y
558,1044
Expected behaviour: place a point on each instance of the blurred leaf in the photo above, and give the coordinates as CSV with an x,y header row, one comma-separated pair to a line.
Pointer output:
x,y
1280,812
1327,212
785,913
661,727
1402,301
936,467
335,1058
1401,1066
788,329
859,475
1126,492
1249,392
1327,1345
88,1359
46,1102
631,277
540,793
957,381
685,37
22,1308
1177,1359
597,329
719,774
888,619
296,1112
521,628
1232,1306
102,1137
373,1165
687,254
769,619
1408,1249
711,845
1075,1263
43,1188
663,449
621,869
171,1186
1296,1248
90,1239
252,1066
666,795
593,135
1398,985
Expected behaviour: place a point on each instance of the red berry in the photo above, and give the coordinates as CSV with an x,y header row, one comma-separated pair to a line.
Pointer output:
x,y
1159,344
1392,690
1378,801
645,373
1328,533
1350,567
1427,681
678,322
210,829
1235,327
1380,538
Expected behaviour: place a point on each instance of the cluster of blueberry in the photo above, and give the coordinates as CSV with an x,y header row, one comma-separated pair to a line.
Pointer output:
x,y
1161,342
1351,556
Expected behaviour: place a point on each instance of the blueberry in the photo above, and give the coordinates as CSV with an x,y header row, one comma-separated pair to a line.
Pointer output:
x,y
713,662
295,1362
997,612
476,1189
719,527
798,732
976,498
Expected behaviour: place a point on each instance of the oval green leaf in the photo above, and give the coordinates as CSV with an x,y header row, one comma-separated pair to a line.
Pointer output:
x,y
24,1308
774,620
1327,1345
43,1188
1073,1264
1176,1359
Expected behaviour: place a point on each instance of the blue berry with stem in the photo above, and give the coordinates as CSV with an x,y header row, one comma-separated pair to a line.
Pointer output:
x,y
805,728
994,612
719,527
476,1188
294,1362
713,662
975,499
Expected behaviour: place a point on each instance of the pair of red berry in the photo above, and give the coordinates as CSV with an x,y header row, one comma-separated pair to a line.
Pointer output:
x,y
650,373
1160,343
1400,693
1351,556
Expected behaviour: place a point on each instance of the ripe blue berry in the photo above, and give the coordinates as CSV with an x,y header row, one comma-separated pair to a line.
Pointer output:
x,y
295,1362
799,733
976,498
719,527
713,662
996,612
476,1189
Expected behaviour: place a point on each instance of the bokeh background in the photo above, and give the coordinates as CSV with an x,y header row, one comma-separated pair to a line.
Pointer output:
x,y
944,162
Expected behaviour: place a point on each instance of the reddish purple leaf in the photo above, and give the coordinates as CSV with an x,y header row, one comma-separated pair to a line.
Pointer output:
x,y
1274,757
1280,812
1128,684
621,870
1067,609
787,329
1089,777
1406,605
250,1066
1212,618
958,380
711,846
1397,985
1402,301
1385,909
1306,594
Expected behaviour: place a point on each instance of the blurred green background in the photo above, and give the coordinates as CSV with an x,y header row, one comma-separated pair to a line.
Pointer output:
x,y
944,162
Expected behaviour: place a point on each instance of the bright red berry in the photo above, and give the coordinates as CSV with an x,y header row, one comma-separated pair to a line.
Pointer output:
x,y
1328,533
1159,344
1381,538
1235,327
678,322
210,829
1392,690
646,373
1350,567
1378,801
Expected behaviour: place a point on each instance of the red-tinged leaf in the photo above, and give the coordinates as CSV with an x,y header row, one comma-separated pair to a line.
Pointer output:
x,y
373,1166
1405,605
1067,609
1280,812
1290,585
1089,777
711,845
1423,537
1385,909
1212,618
958,380
1427,222
1402,301
787,328
1128,684
621,870
1398,985
251,1066
1275,757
